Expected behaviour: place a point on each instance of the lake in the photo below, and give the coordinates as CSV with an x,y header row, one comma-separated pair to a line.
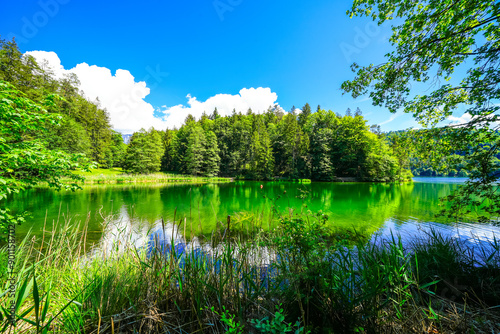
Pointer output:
x,y
371,208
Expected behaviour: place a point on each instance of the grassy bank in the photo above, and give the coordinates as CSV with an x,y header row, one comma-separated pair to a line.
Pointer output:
x,y
295,279
116,175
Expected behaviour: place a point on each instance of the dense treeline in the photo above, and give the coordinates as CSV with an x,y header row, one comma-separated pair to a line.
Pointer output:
x,y
320,146
84,127
414,150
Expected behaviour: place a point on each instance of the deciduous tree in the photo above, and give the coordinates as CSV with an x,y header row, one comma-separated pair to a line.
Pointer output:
x,y
434,43
144,152
25,159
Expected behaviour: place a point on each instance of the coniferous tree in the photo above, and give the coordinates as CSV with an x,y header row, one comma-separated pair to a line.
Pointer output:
x,y
117,150
195,152
85,127
215,115
304,156
262,164
133,160
189,119
223,131
69,136
291,142
204,119
211,159
322,167
168,158
304,115
277,136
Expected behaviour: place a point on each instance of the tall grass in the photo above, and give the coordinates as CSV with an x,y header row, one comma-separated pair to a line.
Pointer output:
x,y
296,276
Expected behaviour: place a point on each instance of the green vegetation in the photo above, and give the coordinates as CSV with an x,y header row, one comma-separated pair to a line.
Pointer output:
x,y
320,146
301,276
82,127
118,175
315,284
114,176
449,50
143,155
414,151
373,204
25,158
100,171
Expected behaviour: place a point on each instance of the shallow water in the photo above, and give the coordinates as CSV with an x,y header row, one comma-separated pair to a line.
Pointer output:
x,y
138,209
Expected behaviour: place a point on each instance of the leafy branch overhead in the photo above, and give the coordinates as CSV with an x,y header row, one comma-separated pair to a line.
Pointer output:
x,y
48,128
436,38
25,159
448,49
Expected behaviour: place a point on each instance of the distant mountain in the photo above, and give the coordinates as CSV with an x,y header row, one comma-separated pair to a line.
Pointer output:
x,y
126,138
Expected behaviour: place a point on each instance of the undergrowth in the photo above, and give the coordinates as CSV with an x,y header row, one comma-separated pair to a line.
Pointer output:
x,y
295,279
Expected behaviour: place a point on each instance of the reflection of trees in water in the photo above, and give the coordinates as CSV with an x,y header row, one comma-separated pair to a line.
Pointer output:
x,y
62,205
423,202
364,206
143,203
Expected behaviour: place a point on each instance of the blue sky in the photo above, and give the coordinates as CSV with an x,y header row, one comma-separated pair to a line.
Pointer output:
x,y
295,51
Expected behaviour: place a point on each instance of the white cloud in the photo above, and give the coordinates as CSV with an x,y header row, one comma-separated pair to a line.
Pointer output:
x,y
364,99
392,118
258,99
123,97
465,118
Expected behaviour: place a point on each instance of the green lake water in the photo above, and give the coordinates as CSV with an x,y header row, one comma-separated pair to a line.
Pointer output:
x,y
367,207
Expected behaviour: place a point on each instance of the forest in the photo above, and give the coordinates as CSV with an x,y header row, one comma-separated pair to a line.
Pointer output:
x,y
184,244
320,145
82,126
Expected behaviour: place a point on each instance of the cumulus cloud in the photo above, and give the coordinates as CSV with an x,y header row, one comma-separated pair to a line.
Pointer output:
x,y
257,99
123,97
466,118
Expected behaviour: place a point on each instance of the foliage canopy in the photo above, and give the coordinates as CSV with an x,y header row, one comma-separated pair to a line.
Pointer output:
x,y
452,48
25,159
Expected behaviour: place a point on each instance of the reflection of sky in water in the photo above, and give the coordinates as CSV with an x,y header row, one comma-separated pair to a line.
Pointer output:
x,y
163,236
439,179
137,211
475,237
119,233
124,231
463,231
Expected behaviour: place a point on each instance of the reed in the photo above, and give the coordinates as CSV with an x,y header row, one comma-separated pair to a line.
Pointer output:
x,y
294,278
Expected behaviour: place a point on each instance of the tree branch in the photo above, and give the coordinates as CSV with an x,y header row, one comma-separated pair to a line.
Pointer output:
x,y
451,35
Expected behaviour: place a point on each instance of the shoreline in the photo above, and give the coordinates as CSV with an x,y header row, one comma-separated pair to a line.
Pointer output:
x,y
119,178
